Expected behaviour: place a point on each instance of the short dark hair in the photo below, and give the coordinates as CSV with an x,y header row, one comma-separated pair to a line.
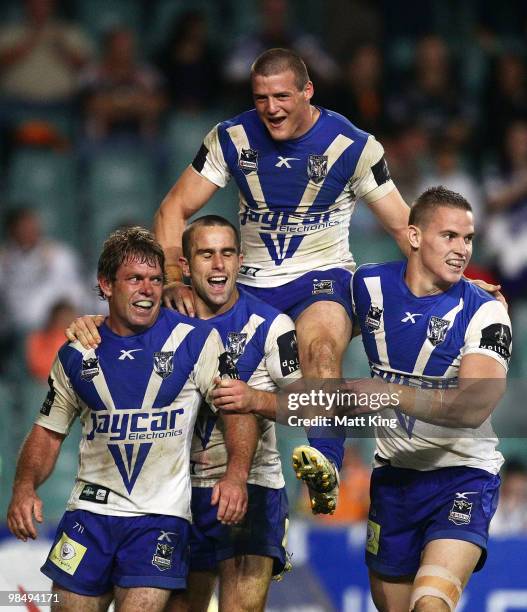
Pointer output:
x,y
432,199
274,61
206,221
125,244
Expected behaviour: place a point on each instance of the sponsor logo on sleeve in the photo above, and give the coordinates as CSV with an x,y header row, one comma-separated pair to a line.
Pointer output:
x,y
288,353
497,337
50,398
67,554
380,172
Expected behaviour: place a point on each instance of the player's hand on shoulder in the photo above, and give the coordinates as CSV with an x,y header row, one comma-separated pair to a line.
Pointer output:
x,y
25,504
494,290
230,495
84,329
231,395
179,296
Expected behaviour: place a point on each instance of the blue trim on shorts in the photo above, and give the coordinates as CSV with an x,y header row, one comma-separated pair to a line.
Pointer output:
x,y
69,584
151,581
388,570
466,536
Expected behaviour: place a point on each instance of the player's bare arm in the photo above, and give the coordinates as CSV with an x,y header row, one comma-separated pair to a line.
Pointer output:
x,y
236,396
482,382
241,435
392,212
190,193
36,462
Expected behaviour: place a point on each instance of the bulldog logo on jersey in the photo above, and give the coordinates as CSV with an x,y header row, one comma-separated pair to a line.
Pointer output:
x,y
460,512
236,344
437,329
163,363
162,558
373,318
317,167
90,368
248,161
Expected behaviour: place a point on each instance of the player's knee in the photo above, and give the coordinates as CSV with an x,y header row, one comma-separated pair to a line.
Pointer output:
x,y
436,589
430,603
320,357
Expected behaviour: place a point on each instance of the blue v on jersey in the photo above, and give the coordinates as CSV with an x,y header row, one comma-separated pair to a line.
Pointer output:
x,y
296,196
260,344
137,398
421,341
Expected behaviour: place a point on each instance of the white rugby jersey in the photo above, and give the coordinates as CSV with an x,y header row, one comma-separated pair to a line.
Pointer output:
x,y
137,398
420,341
261,350
296,196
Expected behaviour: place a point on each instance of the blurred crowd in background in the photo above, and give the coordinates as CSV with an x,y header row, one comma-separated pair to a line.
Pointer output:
x,y
104,102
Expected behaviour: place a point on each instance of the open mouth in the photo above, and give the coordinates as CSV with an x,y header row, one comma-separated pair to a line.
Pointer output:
x,y
276,122
144,305
217,282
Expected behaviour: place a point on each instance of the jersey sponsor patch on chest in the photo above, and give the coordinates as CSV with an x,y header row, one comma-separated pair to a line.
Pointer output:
x,y
373,318
89,368
248,161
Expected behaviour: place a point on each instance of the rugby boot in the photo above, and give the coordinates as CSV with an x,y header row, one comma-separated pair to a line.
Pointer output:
x,y
320,476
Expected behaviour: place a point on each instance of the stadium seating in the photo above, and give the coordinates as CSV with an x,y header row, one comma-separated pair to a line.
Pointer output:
x,y
47,181
121,188
98,16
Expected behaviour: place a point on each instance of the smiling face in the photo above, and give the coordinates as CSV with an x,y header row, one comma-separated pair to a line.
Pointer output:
x,y
442,248
134,297
213,266
284,109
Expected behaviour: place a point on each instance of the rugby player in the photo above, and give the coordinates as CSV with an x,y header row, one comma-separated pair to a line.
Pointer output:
x,y
299,169
442,346
125,533
261,351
